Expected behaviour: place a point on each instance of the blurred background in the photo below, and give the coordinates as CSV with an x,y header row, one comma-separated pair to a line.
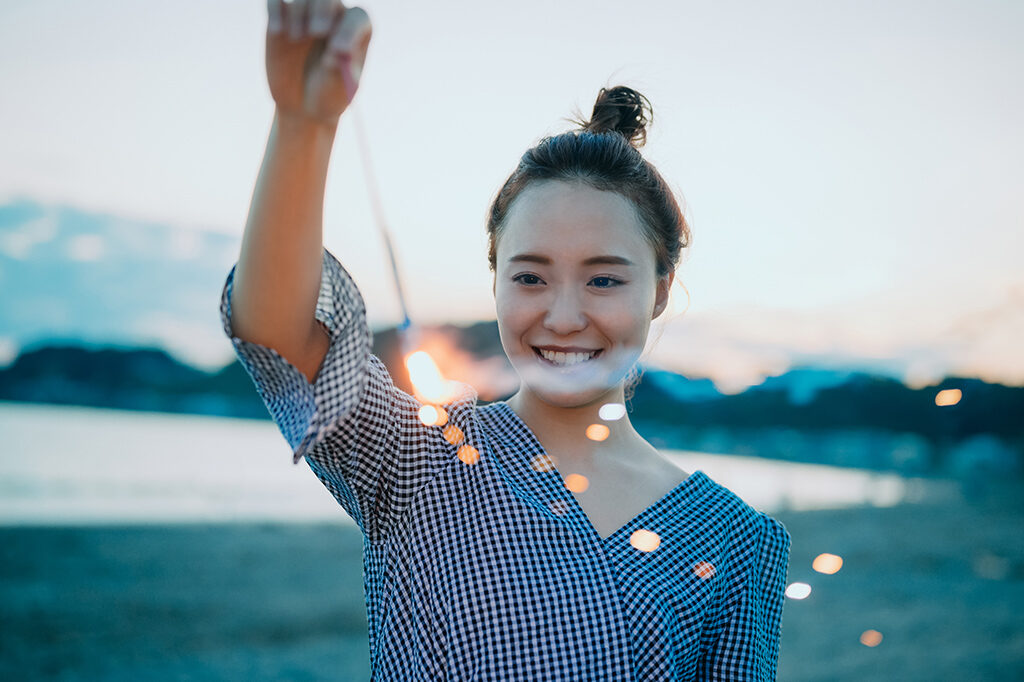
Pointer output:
x,y
846,354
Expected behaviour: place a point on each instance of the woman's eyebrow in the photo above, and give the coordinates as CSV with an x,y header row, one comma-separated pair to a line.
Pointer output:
x,y
593,260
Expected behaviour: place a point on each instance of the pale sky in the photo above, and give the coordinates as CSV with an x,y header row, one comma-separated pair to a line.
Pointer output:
x,y
847,163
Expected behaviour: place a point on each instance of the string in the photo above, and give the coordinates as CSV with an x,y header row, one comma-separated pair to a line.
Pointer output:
x,y
405,329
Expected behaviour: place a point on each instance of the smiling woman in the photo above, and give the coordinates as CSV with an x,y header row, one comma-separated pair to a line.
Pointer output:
x,y
575,287
535,538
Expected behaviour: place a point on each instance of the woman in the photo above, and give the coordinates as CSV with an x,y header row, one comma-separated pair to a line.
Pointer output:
x,y
504,543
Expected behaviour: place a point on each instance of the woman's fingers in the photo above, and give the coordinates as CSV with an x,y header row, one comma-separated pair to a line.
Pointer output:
x,y
275,16
323,30
321,17
301,19
346,48
296,17
352,36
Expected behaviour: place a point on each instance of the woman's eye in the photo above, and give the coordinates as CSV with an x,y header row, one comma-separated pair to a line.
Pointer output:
x,y
605,282
526,278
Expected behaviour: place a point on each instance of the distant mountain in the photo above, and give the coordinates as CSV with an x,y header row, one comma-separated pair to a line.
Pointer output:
x,y
802,384
680,388
663,403
75,276
130,379
69,276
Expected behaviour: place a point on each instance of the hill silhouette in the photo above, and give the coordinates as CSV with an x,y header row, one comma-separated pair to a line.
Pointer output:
x,y
865,420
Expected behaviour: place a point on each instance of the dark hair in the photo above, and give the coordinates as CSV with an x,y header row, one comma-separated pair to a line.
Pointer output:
x,y
604,154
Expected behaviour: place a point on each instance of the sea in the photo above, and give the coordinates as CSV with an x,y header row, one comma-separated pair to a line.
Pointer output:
x,y
63,465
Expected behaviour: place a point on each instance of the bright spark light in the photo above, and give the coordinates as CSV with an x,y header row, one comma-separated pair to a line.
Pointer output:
x,y
950,396
426,378
598,432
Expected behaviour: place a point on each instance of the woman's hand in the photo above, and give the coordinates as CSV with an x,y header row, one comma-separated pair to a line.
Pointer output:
x,y
315,55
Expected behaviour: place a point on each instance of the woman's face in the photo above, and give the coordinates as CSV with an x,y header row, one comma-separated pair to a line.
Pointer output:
x,y
575,290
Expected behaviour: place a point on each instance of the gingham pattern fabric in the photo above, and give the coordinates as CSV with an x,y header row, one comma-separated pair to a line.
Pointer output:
x,y
488,568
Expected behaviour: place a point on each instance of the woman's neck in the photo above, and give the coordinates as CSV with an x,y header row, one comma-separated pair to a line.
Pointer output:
x,y
563,430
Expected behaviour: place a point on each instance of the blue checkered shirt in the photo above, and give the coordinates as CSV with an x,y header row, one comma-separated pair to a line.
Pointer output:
x,y
486,567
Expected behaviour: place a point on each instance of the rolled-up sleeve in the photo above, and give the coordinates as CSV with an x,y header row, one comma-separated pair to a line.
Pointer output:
x,y
304,411
358,432
747,647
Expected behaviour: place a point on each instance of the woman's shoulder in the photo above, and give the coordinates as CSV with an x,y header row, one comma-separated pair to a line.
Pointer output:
x,y
745,523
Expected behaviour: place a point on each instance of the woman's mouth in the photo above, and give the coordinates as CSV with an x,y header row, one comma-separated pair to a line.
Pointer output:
x,y
563,359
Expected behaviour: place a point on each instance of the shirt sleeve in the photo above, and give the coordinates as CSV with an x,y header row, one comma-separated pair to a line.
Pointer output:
x,y
747,647
359,433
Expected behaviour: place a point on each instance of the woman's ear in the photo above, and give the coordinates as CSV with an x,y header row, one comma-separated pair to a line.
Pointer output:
x,y
661,293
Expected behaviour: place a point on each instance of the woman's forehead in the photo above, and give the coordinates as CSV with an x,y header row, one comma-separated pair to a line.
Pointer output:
x,y
555,222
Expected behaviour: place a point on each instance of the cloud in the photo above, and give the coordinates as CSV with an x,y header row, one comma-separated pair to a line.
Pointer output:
x,y
917,337
200,343
185,244
8,350
18,243
86,248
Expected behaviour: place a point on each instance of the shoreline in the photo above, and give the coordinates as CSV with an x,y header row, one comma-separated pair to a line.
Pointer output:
x,y
941,582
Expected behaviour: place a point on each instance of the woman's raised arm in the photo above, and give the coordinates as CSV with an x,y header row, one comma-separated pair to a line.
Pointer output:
x,y
314,57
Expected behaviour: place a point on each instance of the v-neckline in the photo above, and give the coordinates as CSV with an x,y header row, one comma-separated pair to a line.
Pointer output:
x,y
692,479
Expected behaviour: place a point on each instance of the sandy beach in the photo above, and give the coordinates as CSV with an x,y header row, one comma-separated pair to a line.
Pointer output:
x,y
943,584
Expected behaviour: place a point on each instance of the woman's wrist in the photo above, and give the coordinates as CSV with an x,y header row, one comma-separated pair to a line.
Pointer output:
x,y
303,124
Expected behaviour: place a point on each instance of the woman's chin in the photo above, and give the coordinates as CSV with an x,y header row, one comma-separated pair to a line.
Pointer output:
x,y
569,388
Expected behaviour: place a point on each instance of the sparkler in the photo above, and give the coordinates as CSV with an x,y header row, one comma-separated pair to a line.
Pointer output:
x,y
377,207
430,385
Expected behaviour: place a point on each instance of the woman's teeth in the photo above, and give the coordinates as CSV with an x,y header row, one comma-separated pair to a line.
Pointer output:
x,y
566,359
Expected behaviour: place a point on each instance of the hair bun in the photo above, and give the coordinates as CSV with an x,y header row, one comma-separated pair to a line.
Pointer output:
x,y
622,110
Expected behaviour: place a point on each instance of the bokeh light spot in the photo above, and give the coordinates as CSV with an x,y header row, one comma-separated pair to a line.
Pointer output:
x,y
542,463
597,432
871,638
992,566
559,507
577,482
798,590
950,396
429,415
827,563
612,411
468,454
645,540
704,569
453,434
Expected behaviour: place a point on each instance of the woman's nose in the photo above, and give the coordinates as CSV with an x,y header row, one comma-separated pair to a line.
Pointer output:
x,y
565,315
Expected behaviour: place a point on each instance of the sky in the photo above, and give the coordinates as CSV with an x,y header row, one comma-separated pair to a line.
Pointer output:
x,y
851,171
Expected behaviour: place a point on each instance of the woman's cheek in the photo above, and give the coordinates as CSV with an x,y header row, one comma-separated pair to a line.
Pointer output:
x,y
511,311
